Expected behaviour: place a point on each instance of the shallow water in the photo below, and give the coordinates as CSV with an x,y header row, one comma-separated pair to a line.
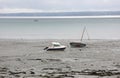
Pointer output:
x,y
59,28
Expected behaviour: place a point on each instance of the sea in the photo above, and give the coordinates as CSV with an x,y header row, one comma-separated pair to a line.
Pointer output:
x,y
70,27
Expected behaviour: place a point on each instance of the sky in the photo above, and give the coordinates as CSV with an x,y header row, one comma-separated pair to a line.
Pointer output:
x,y
11,6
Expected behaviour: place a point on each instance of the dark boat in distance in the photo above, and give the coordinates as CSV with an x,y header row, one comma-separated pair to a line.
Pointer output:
x,y
36,20
79,44
55,47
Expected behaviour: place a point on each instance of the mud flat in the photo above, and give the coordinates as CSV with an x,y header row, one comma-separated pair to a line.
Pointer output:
x,y
27,59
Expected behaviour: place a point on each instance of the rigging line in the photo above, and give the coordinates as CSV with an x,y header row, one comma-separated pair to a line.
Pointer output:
x,y
87,34
83,33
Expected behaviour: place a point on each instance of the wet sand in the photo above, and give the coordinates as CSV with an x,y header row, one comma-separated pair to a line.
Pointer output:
x,y
27,59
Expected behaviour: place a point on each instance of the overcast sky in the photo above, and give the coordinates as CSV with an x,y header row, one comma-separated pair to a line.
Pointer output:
x,y
57,5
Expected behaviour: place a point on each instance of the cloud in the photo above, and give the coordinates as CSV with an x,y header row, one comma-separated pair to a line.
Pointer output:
x,y
59,5
17,10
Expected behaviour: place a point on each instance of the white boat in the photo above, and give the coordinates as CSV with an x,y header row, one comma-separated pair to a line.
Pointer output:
x,y
55,47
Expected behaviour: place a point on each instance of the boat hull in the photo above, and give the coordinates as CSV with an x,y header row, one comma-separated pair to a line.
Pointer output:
x,y
56,49
77,44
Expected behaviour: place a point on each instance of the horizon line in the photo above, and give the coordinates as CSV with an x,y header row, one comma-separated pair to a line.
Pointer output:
x,y
99,16
60,11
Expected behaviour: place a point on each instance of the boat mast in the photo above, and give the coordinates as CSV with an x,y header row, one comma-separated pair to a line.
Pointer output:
x,y
83,33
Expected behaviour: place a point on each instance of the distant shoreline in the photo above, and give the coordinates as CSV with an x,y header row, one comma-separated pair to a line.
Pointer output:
x,y
49,17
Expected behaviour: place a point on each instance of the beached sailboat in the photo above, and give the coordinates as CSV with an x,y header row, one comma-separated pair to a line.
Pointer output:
x,y
55,47
79,44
